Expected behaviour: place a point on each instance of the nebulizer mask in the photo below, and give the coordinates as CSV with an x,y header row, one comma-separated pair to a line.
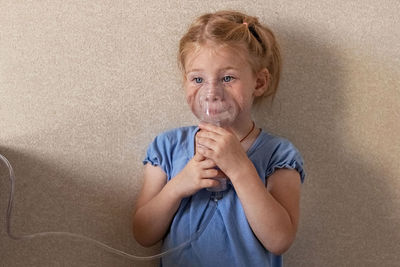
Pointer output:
x,y
213,103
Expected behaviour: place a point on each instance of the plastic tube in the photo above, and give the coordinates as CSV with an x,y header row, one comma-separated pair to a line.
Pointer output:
x,y
193,237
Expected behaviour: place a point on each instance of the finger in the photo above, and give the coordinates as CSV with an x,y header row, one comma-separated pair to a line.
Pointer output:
x,y
204,142
212,128
209,173
207,164
198,156
208,134
209,183
205,152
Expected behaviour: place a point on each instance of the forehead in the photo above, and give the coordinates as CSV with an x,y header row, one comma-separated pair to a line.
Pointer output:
x,y
208,56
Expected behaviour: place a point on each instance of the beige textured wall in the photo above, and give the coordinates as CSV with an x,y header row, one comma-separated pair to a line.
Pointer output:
x,y
86,85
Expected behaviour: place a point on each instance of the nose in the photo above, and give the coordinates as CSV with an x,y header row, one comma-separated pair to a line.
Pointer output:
x,y
214,93
212,97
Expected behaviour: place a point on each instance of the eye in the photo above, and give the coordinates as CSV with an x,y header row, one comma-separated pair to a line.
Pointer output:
x,y
197,79
227,78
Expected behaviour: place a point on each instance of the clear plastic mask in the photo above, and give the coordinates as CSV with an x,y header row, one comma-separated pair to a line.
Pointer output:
x,y
213,103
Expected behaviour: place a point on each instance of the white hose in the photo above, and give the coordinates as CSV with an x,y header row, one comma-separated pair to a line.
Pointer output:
x,y
194,236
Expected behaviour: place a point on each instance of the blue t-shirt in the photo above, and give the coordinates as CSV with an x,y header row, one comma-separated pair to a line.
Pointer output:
x,y
228,239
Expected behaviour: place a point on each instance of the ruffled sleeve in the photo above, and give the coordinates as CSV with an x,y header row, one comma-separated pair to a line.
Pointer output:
x,y
287,156
157,153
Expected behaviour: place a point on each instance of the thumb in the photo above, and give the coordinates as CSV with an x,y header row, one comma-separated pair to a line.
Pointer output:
x,y
198,157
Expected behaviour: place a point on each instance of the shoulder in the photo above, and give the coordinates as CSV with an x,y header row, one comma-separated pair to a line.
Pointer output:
x,y
275,142
284,143
169,145
173,141
176,135
282,153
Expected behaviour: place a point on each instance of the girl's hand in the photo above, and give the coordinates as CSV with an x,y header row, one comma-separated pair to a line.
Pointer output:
x,y
223,147
195,176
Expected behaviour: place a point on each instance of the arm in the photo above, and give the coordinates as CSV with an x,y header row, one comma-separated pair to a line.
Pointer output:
x,y
155,207
272,211
158,200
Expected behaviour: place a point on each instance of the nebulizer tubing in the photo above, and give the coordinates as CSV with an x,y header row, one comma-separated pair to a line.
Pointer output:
x,y
193,237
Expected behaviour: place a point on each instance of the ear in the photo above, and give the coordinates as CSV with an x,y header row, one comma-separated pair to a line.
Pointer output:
x,y
262,81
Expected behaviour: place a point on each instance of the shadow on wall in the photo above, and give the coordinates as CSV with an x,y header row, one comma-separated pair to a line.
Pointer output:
x,y
346,207
50,198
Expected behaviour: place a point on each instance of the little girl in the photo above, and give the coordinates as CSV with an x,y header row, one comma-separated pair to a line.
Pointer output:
x,y
236,60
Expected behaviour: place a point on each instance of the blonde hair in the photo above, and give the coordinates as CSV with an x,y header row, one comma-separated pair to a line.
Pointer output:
x,y
236,29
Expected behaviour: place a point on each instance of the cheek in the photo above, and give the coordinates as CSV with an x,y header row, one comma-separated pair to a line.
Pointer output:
x,y
243,100
190,94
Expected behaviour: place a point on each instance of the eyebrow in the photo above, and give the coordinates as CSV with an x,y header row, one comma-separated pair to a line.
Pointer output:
x,y
223,69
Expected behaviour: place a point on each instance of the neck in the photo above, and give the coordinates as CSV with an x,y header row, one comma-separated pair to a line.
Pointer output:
x,y
248,134
242,128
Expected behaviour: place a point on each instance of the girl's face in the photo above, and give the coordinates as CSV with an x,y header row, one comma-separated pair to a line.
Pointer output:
x,y
220,85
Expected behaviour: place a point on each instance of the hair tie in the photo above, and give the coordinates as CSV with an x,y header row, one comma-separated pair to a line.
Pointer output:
x,y
253,32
